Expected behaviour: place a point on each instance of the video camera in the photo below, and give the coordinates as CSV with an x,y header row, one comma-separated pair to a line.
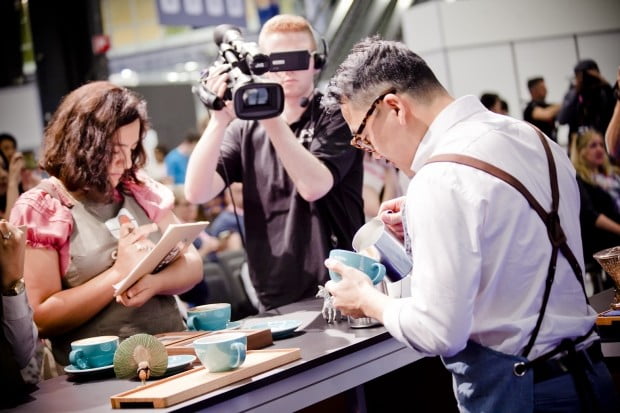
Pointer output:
x,y
253,98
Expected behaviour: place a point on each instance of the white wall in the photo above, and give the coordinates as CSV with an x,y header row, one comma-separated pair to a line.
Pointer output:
x,y
20,115
496,45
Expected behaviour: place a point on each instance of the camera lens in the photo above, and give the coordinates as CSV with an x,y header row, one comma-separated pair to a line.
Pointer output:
x,y
256,96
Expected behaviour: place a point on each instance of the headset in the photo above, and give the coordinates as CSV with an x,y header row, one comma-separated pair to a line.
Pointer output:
x,y
320,57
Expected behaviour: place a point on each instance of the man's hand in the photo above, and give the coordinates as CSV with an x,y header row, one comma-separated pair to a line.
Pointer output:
x,y
349,294
390,213
12,250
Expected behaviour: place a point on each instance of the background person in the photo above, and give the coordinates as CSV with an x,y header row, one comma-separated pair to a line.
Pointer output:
x,y
481,254
538,112
92,221
302,181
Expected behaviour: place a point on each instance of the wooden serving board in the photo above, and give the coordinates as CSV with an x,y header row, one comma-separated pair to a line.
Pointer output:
x,y
181,343
604,319
198,381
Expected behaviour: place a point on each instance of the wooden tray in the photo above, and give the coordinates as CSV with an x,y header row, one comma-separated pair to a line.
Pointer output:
x,y
198,381
181,343
606,320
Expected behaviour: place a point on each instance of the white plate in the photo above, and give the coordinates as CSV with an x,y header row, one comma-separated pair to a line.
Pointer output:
x,y
71,369
279,328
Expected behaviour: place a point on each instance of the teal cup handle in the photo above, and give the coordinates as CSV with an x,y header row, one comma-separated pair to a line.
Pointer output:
x,y
77,358
379,273
191,320
237,356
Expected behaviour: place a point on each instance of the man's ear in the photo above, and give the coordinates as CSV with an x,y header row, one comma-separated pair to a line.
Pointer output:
x,y
398,105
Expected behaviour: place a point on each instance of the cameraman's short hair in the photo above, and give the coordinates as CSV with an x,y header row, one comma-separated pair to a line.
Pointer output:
x,y
287,23
534,81
374,66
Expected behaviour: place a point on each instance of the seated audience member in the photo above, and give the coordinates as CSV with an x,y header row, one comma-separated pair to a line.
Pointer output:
x,y
176,160
538,112
228,225
18,335
380,184
599,184
612,135
188,212
10,186
492,101
156,167
503,108
93,220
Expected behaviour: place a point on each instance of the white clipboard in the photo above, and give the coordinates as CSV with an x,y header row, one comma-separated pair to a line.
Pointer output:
x,y
170,246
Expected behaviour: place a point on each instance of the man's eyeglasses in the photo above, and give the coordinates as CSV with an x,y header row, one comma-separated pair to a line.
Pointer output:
x,y
358,140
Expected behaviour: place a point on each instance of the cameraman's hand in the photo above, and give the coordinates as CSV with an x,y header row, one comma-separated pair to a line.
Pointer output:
x,y
217,82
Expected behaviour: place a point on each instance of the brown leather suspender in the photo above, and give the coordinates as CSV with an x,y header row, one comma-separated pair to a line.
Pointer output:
x,y
551,220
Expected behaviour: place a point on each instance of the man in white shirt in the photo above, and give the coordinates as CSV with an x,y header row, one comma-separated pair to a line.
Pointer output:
x,y
482,255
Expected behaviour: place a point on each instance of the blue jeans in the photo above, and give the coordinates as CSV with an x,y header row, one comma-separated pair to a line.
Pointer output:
x,y
559,395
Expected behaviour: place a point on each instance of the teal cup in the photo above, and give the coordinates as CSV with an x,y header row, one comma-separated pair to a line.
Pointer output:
x,y
369,266
208,317
222,351
92,352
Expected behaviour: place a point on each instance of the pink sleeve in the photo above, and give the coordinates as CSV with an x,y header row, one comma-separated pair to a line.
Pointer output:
x,y
155,198
49,223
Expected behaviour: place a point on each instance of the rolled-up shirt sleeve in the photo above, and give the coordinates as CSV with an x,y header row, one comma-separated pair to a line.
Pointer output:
x,y
19,329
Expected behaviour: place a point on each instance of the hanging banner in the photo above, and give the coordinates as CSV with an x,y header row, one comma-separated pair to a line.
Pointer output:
x,y
199,13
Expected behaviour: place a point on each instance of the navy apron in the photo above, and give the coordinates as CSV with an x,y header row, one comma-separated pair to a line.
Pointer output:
x,y
486,380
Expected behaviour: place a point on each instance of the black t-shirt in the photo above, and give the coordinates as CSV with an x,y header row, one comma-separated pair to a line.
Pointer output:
x,y
288,238
548,128
595,201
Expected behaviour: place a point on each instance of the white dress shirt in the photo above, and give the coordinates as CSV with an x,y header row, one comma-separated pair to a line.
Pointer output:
x,y
480,252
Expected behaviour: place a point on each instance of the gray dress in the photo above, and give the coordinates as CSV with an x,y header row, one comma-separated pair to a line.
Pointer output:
x,y
92,248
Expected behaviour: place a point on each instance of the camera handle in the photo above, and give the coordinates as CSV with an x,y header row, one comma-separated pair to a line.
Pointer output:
x,y
208,98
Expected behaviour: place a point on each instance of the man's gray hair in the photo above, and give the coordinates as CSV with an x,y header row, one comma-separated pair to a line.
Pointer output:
x,y
375,66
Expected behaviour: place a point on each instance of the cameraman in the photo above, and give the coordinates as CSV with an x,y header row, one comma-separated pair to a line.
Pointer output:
x,y
589,102
302,181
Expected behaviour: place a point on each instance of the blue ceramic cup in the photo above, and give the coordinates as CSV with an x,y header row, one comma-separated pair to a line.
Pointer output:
x,y
209,317
92,352
372,268
222,351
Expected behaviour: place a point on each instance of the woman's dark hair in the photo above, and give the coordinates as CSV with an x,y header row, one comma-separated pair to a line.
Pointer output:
x,y
80,138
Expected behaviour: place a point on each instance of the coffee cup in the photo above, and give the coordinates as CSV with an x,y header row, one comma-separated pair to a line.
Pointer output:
x,y
221,352
209,317
93,352
369,266
376,240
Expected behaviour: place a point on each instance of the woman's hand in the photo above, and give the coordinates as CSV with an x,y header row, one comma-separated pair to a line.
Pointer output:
x,y
390,212
139,293
133,245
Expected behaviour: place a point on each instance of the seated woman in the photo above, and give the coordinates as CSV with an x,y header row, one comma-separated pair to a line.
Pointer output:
x,y
599,184
88,225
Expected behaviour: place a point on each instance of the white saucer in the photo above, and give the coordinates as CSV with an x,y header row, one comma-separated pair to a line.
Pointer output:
x,y
178,363
232,325
279,328
71,369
